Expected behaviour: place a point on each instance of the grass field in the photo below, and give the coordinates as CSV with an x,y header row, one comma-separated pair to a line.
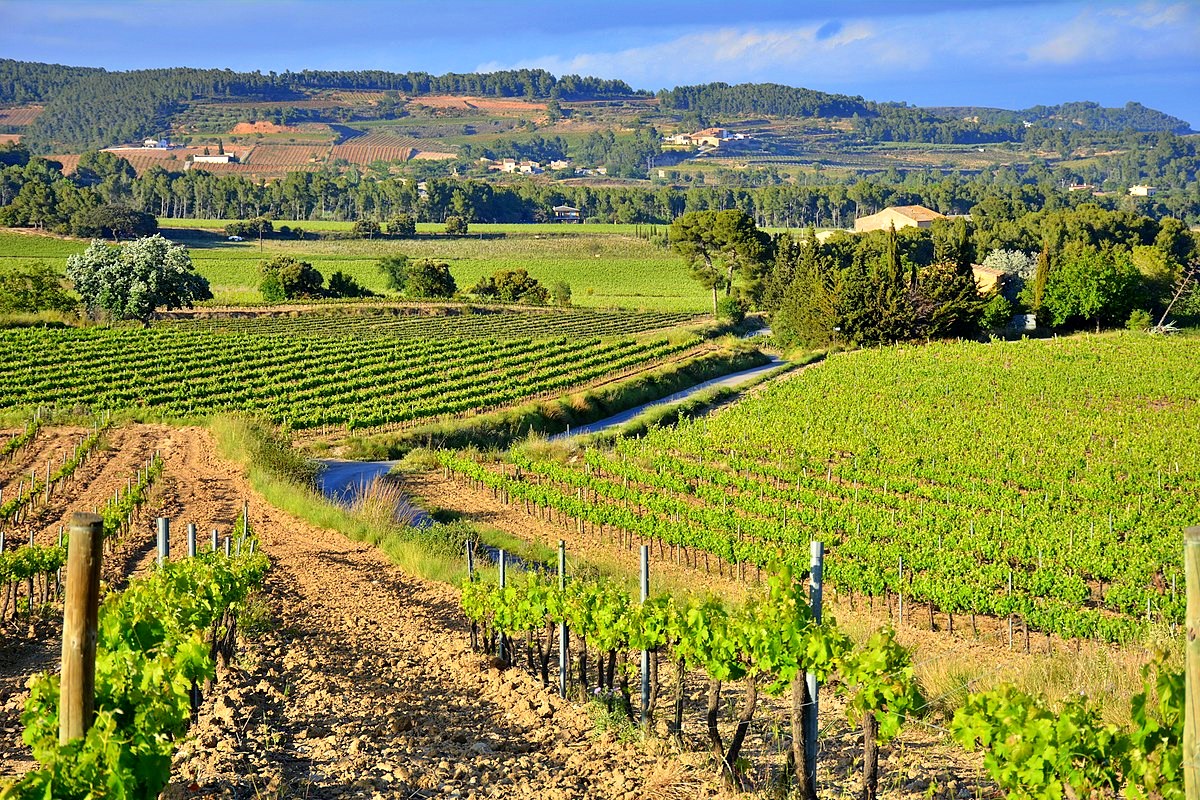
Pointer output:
x,y
507,228
605,269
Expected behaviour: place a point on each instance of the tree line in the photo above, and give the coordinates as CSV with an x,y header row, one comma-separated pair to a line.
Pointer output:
x,y
34,193
1069,268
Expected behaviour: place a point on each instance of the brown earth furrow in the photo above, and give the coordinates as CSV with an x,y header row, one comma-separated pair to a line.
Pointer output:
x,y
110,467
50,445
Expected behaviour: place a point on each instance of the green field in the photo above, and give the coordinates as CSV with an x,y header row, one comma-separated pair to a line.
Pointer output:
x,y
507,228
1069,467
449,322
606,269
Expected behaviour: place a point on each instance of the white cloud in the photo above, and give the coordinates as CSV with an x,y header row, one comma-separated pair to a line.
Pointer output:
x,y
725,51
1147,31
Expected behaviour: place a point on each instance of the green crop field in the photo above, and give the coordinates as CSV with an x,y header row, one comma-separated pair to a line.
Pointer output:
x,y
1065,469
302,381
609,269
506,228
452,322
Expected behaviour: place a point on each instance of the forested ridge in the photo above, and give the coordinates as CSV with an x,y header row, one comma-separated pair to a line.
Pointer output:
x,y
87,108
92,108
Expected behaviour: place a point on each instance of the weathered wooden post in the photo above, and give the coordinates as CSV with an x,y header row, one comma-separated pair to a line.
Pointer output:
x,y
1191,724
80,612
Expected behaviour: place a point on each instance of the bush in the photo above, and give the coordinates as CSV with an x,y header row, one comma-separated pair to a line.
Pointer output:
x,y
395,271
366,228
342,285
401,225
37,287
430,279
561,292
1139,320
997,313
287,278
513,286
251,228
731,309
456,226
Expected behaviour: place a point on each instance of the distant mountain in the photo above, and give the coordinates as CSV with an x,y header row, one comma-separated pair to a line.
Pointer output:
x,y
1085,116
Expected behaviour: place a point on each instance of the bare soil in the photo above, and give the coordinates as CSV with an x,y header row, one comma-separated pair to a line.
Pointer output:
x,y
359,681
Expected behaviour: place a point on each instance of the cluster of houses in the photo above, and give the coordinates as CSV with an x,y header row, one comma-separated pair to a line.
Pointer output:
x,y
706,140
1134,191
526,167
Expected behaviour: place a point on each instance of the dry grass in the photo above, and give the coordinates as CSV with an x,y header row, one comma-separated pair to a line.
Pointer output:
x,y
382,502
670,779
948,667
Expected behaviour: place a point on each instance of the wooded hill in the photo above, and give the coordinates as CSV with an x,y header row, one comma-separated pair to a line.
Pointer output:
x,y
88,108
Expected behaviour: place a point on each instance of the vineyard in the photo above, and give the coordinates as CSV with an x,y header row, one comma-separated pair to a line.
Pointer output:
x,y
275,155
301,381
19,116
407,323
1041,482
376,147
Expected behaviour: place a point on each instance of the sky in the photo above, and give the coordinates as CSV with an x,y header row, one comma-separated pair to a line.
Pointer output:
x,y
1003,53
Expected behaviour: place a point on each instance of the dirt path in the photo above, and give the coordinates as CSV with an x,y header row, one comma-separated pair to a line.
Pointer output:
x,y
361,684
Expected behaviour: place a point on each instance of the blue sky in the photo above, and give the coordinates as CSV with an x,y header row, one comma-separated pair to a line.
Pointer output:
x,y
1008,53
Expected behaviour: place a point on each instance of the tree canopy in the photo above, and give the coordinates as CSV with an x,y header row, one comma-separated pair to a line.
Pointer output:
x,y
514,286
720,247
430,279
131,281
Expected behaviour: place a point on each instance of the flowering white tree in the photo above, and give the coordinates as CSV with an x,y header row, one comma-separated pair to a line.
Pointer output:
x,y
132,280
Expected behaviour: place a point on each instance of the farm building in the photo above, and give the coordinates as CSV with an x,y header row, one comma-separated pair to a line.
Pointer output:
x,y
899,217
987,278
567,214
223,158
1143,191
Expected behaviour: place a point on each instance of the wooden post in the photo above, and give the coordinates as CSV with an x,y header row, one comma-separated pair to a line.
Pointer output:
x,y
1191,725
80,612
